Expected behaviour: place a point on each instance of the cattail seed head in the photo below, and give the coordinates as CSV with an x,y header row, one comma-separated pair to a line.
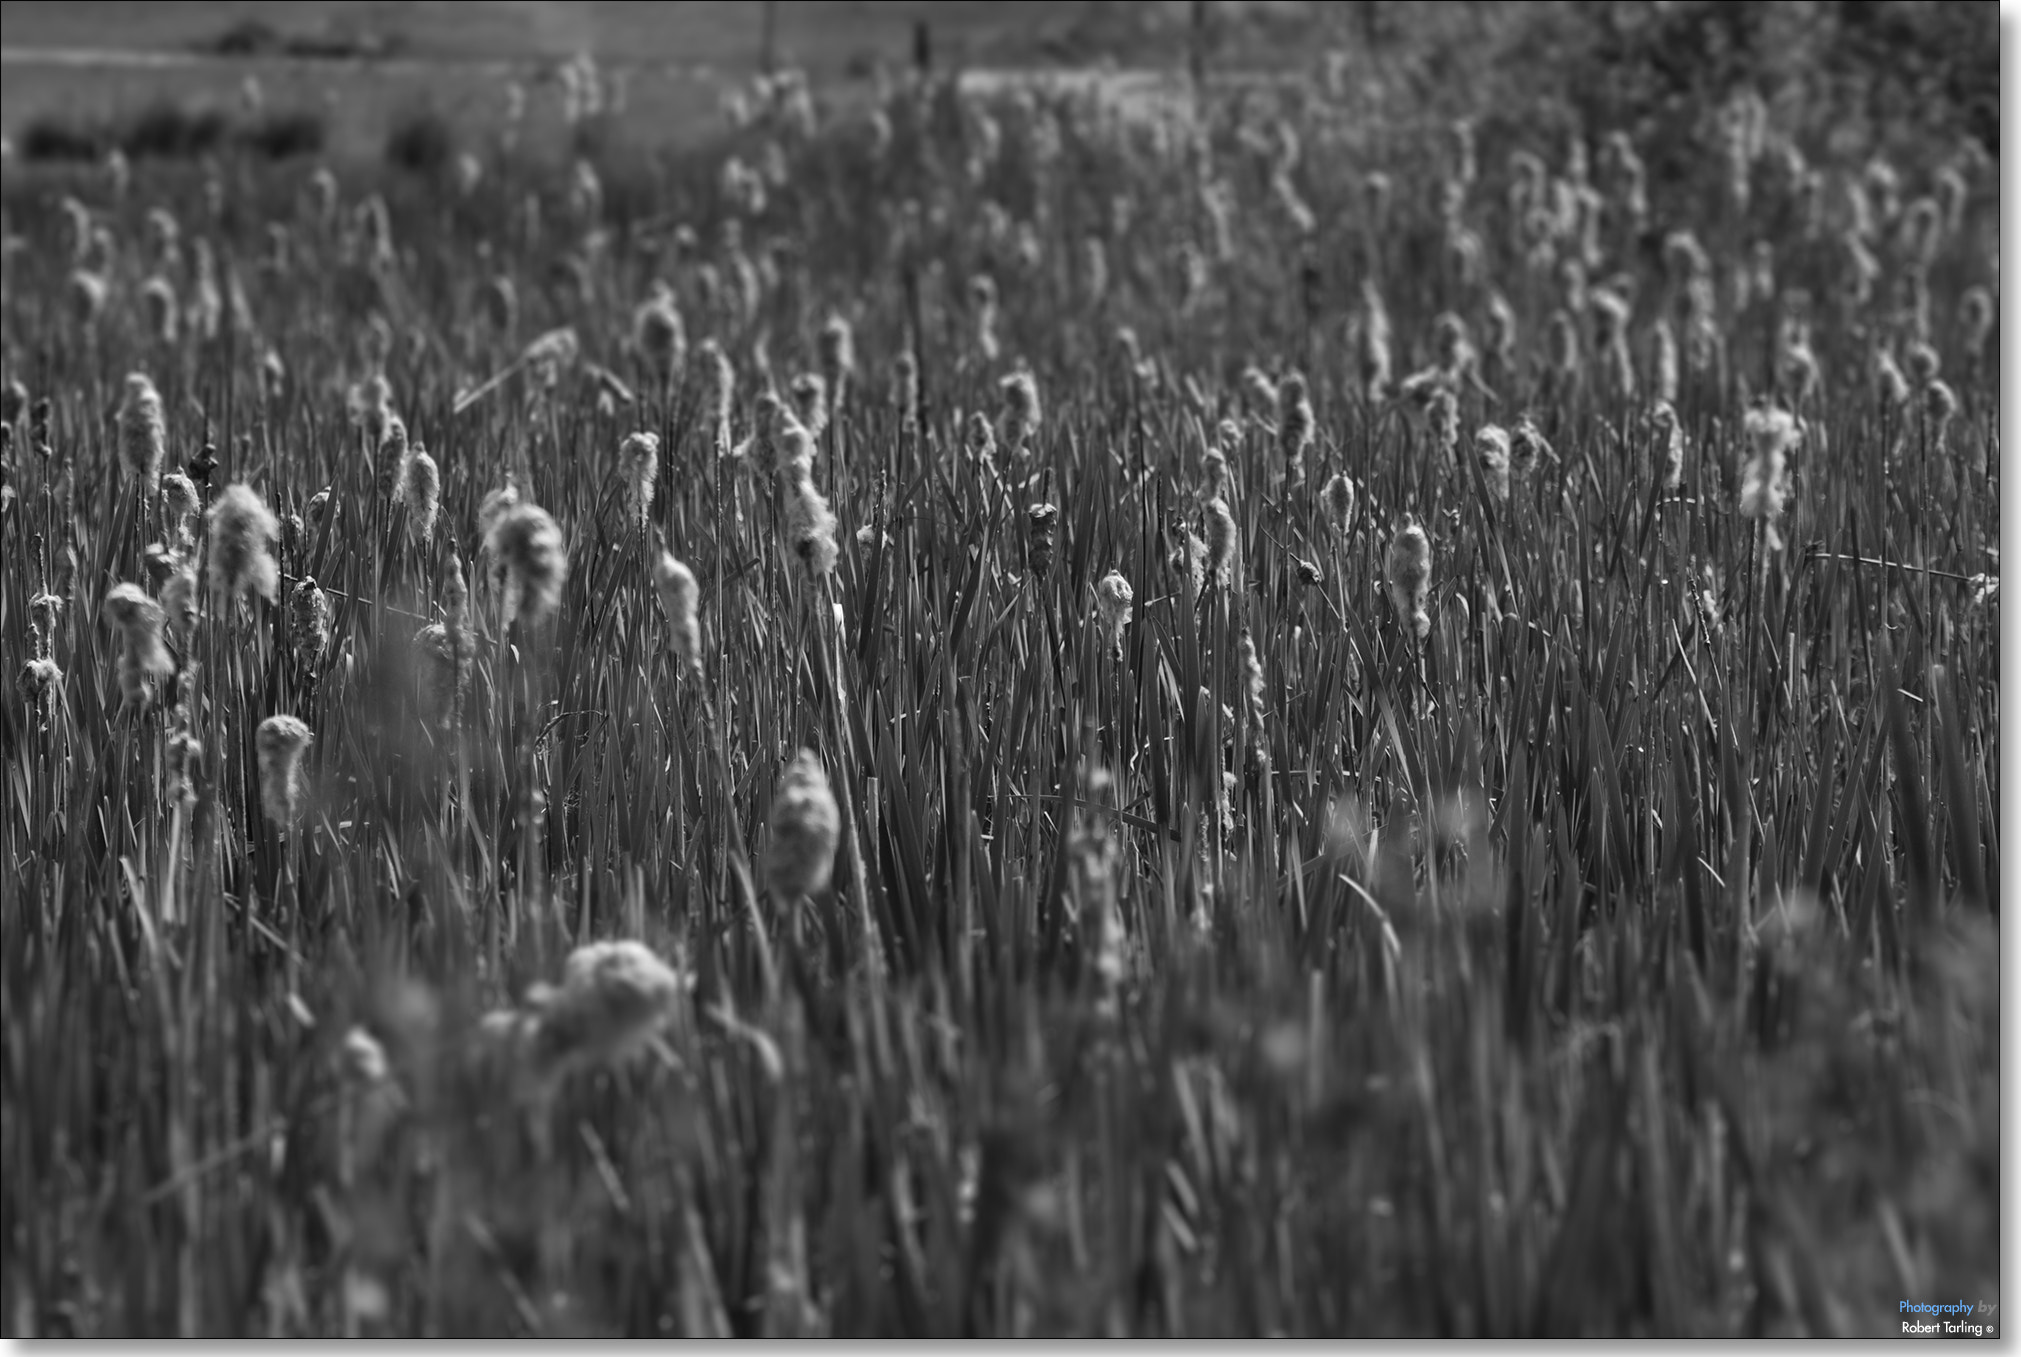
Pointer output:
x,y
528,546
1113,599
1410,577
614,998
180,506
157,295
837,347
661,337
179,599
1222,536
980,439
810,402
44,611
1526,445
143,433
421,491
308,621
1294,426
1042,523
390,461
1668,433
793,444
1338,497
806,825
810,528
1770,433
1891,388
39,680
1923,363
243,533
283,793
144,663
680,596
639,459
1020,417
1491,445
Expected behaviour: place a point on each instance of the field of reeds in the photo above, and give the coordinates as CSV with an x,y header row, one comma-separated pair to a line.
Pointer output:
x,y
1004,716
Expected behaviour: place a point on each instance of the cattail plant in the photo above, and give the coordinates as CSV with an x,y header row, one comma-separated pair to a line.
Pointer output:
x,y
390,459
243,533
982,300
639,461
1527,445
1294,427
527,546
838,361
614,999
805,828
421,490
661,336
1093,859
1113,599
157,296
308,621
283,791
1338,498
144,662
905,391
810,402
680,597
1491,446
1663,361
1410,577
143,433
1668,433
180,507
178,595
720,388
1252,696
810,528
1020,418
1770,433
1042,522
1222,539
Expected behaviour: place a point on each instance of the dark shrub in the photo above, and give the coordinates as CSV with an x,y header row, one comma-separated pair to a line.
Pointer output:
x,y
279,136
420,142
51,138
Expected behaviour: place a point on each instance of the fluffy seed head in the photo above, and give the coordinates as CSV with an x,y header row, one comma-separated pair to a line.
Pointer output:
x,y
180,505
639,457
1221,540
810,402
1491,445
528,546
680,596
143,433
1410,577
1770,432
179,599
613,1000
283,795
1020,410
810,528
1113,599
308,620
144,662
243,533
806,824
660,334
1338,497
1668,433
421,491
